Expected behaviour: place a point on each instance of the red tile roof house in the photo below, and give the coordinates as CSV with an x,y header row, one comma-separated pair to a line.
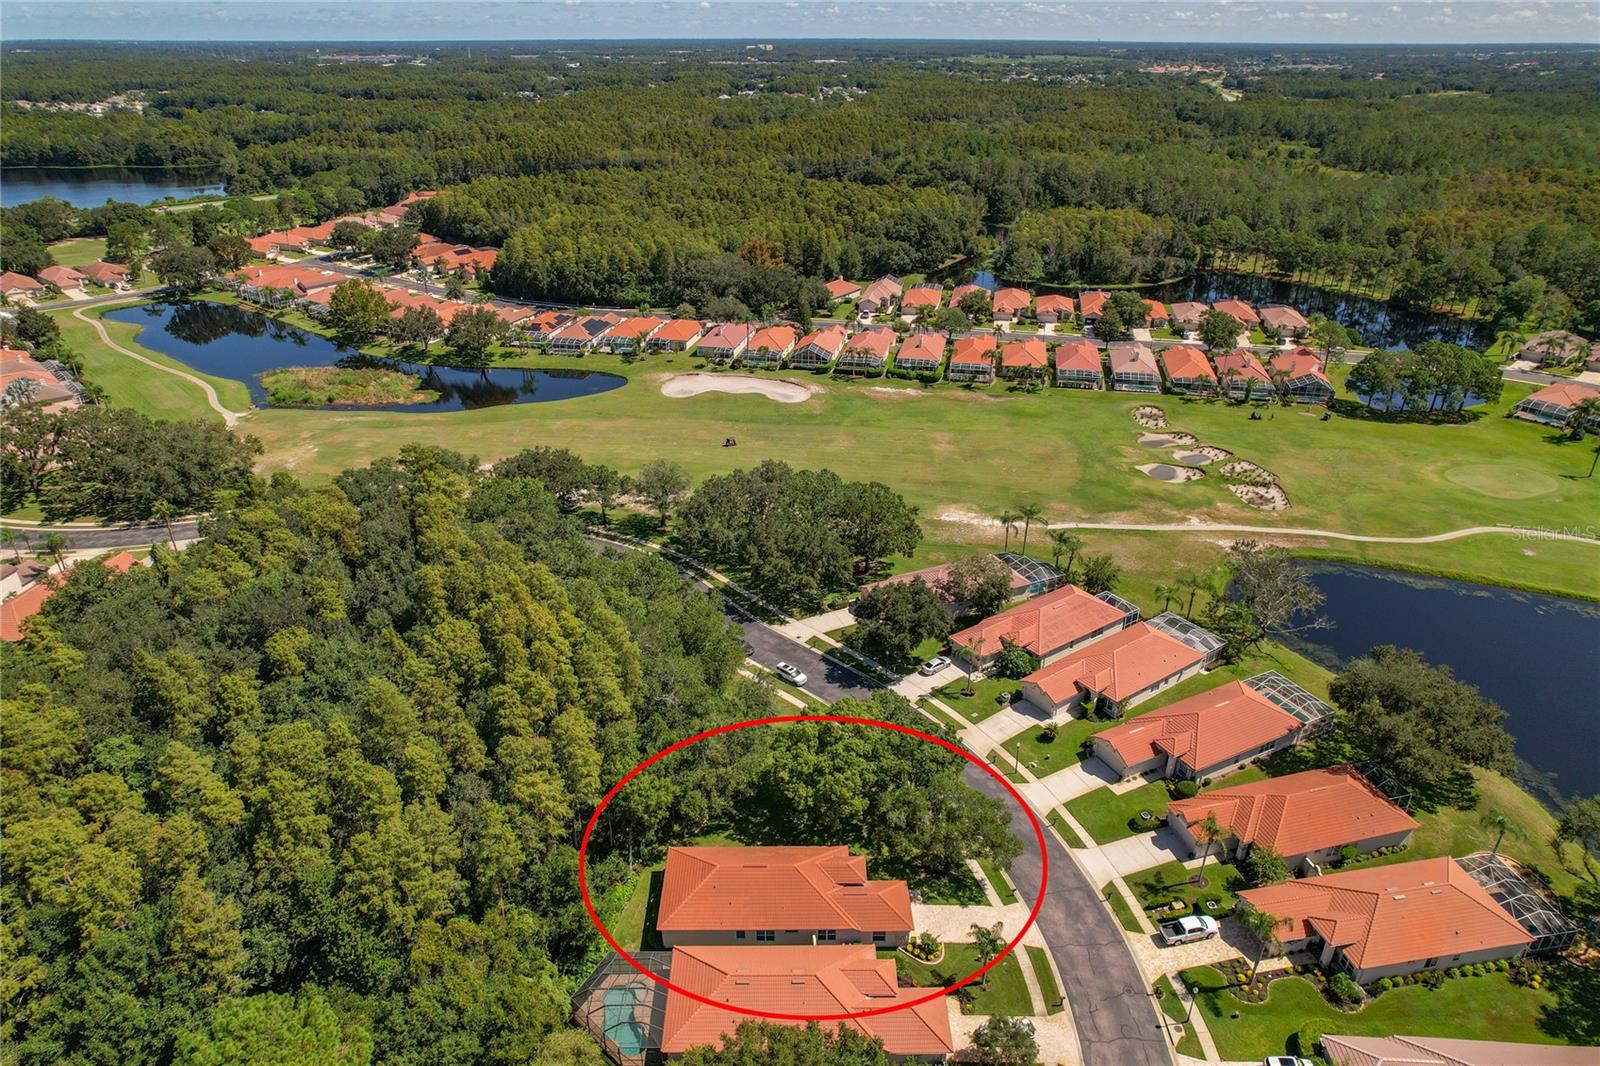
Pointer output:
x,y
817,350
840,290
1188,370
540,327
633,333
726,342
1303,376
1447,1051
972,359
1050,626
822,980
1392,920
677,335
1052,308
881,295
1552,346
1078,365
922,353
17,609
937,577
1024,359
1011,304
867,351
770,346
111,275
1553,404
1204,735
960,292
1133,368
778,895
1242,375
1241,312
1155,314
1090,304
52,391
61,277
919,297
1186,315
583,334
1307,817
1285,321
1118,671
20,286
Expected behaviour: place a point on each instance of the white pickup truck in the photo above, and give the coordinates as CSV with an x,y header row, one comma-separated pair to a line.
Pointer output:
x,y
1189,929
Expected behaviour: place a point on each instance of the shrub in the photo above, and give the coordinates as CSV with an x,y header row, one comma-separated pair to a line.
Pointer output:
x,y
1502,965
1344,989
1308,1041
1347,854
1186,789
1383,986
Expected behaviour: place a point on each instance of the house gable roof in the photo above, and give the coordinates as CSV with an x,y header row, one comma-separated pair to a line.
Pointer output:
x,y
1300,813
1053,302
1563,394
1132,358
1117,666
1029,352
1078,354
730,888
923,346
1241,311
978,349
1242,363
1183,361
1043,624
1205,729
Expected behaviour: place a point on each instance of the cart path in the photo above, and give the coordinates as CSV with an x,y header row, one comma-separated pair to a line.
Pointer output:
x,y
230,418
1531,533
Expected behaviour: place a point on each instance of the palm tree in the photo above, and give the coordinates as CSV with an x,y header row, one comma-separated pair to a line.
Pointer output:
x,y
969,654
1009,520
11,540
1195,583
55,545
1503,826
1207,831
988,943
164,512
1064,540
1262,928
1029,513
1167,594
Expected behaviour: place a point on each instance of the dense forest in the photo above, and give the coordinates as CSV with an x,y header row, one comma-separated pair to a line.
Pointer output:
x,y
317,781
656,174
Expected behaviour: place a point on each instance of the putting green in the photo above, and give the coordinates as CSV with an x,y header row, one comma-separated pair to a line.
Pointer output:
x,y
1503,481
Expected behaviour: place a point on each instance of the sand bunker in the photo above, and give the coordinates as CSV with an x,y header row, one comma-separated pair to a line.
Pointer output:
x,y
1164,472
1264,497
1150,416
1165,440
680,386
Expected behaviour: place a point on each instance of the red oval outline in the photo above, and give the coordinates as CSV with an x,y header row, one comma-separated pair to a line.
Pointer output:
x,y
938,993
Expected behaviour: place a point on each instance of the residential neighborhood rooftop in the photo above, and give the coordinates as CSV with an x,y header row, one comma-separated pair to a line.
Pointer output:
x,y
711,888
1299,813
1043,624
1205,729
1449,1051
1118,666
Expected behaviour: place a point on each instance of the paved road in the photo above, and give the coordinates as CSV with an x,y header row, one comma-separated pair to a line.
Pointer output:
x,y
85,538
1111,1007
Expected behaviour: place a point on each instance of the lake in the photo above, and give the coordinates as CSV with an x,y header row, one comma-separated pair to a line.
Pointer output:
x,y
230,342
1534,655
93,186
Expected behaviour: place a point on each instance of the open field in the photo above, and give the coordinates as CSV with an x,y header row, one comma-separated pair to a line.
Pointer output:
x,y
78,251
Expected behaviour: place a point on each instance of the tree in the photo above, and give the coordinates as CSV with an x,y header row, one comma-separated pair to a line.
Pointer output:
x,y
1167,594
977,305
605,485
184,268
472,332
981,583
454,287
895,617
1003,1041
273,1030
988,941
357,311
1029,513
1100,574
391,247
1580,825
1008,520
948,320
1582,414
876,522
1219,331
417,326
1502,825
1279,594
230,250
563,474
1262,929
1111,326
163,512
19,392
128,243
755,1042
1206,833
1264,866
662,484
348,234
1013,660
1064,540
55,545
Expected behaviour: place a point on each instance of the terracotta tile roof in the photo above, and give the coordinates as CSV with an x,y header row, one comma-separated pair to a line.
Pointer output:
x,y
1154,309
716,888
1043,625
1563,394
1240,310
104,272
61,277
877,340
1302,362
1187,311
884,289
1029,352
1181,362
814,980
1013,300
1300,813
978,349
1388,915
937,578
15,355
1283,318
1117,666
1092,302
1449,1051
727,335
922,296
840,289
25,604
1243,363
1053,302
679,330
1132,358
922,346
961,290
829,338
635,326
12,280
1205,729
773,339
1078,355
511,315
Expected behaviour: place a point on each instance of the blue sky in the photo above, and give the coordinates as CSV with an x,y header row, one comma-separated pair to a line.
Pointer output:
x,y
1177,21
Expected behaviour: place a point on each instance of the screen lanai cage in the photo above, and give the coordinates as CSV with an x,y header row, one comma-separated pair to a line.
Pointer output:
x,y
1524,899
1284,693
623,1009
1040,576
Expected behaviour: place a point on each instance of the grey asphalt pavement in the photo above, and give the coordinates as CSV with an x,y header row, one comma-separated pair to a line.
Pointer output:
x,y
81,538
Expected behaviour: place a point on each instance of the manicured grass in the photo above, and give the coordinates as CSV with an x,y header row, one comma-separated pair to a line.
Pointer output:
x,y
1068,834
78,251
639,914
1002,762
1173,880
1474,1008
1107,816
1042,755
1001,886
982,703
1040,960
942,718
1119,907
1007,992
1189,1043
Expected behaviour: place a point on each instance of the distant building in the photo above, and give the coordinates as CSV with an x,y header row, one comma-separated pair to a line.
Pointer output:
x,y
1303,376
61,277
1124,669
769,346
1133,368
972,359
1053,308
921,352
677,334
1242,312
1026,358
726,342
818,350
1050,625
840,290
1449,1051
1553,405
1078,365
15,286
1011,304
1186,316
1553,346
1285,320
881,295
1155,314
867,351
1091,304
633,333
1241,374
919,297
111,275
1188,370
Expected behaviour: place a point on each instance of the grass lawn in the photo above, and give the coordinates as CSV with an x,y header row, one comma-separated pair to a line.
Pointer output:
x,y
1040,959
1119,907
943,719
983,702
1044,756
1001,886
1189,1043
1107,816
961,889
78,251
1002,762
639,914
1007,992
1067,832
1172,880
1474,1008
920,654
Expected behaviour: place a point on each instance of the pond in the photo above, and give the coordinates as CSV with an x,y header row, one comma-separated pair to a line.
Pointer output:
x,y
1534,655
93,186
231,342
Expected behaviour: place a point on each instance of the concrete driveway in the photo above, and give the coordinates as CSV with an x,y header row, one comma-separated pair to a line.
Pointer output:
x,y
1136,853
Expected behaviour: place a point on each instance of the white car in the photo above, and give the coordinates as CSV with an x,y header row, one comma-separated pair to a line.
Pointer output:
x,y
1286,1060
792,674
1189,929
934,665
